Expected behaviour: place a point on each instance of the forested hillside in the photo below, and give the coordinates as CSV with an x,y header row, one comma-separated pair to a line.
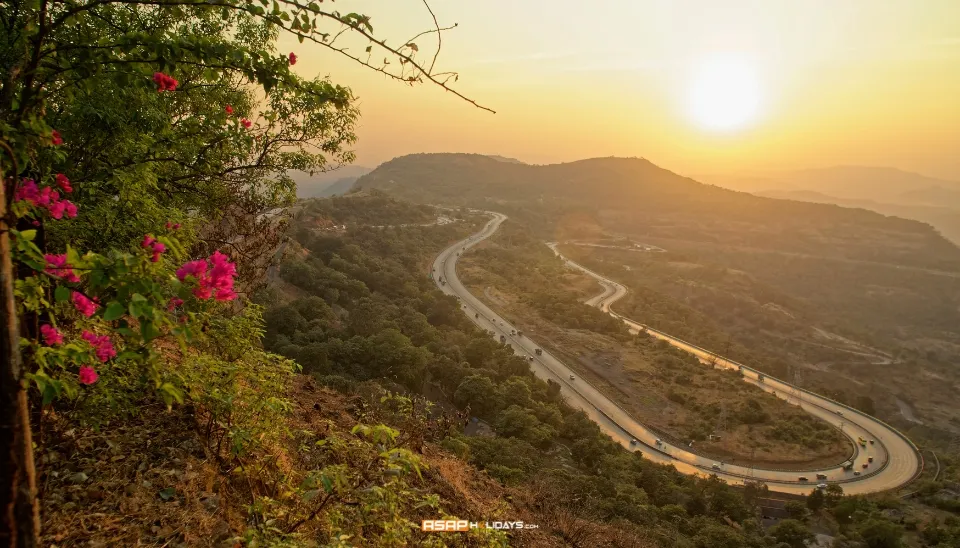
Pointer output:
x,y
357,308
634,196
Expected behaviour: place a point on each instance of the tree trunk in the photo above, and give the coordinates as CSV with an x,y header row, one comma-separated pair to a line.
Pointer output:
x,y
20,518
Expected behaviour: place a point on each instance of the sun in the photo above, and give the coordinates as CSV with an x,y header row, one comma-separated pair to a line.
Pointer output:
x,y
724,93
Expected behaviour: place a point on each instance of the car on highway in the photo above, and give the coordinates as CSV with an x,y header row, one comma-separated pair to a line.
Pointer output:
x,y
821,476
530,358
658,442
839,412
856,472
866,464
715,466
869,459
633,441
821,486
572,377
803,478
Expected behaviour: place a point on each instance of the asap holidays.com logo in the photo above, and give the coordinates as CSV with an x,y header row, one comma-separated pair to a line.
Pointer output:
x,y
463,526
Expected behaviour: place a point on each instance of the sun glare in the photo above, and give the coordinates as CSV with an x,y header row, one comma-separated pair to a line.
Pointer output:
x,y
724,93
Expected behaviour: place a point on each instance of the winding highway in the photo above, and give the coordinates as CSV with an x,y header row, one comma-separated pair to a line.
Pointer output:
x,y
895,460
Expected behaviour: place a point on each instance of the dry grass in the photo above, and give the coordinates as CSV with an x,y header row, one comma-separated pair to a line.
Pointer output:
x,y
148,481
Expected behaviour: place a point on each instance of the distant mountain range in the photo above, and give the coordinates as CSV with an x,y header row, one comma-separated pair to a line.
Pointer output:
x,y
634,196
885,190
328,183
881,184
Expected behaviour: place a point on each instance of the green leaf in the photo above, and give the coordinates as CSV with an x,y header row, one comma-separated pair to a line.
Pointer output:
x,y
27,235
168,493
311,494
148,330
171,393
113,312
61,294
327,484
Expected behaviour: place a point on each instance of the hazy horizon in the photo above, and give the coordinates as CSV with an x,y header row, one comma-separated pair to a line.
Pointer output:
x,y
810,85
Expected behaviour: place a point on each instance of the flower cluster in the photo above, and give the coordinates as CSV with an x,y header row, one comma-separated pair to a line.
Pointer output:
x,y
246,123
64,183
55,138
172,226
87,375
293,58
214,276
50,335
151,243
83,305
229,110
164,82
101,345
45,197
57,266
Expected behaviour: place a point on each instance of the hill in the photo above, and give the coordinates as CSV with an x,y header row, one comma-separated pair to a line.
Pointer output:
x,y
635,196
946,220
328,183
881,184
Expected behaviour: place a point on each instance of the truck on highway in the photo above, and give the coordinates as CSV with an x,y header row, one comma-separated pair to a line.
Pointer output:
x,y
760,377
863,442
538,352
848,465
503,338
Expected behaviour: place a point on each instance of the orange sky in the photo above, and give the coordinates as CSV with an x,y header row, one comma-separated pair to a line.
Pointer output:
x,y
865,82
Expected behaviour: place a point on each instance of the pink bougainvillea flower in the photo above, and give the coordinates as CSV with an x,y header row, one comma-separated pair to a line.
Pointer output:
x,y
203,292
229,110
164,82
246,123
197,269
46,197
218,281
148,241
101,344
58,266
64,183
225,295
87,375
83,305
293,58
223,271
57,209
35,223
158,248
28,191
174,302
55,138
50,335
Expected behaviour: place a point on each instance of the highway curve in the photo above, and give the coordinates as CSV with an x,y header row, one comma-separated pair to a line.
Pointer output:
x,y
896,460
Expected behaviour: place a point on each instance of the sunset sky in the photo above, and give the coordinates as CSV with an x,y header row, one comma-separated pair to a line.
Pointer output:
x,y
696,86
